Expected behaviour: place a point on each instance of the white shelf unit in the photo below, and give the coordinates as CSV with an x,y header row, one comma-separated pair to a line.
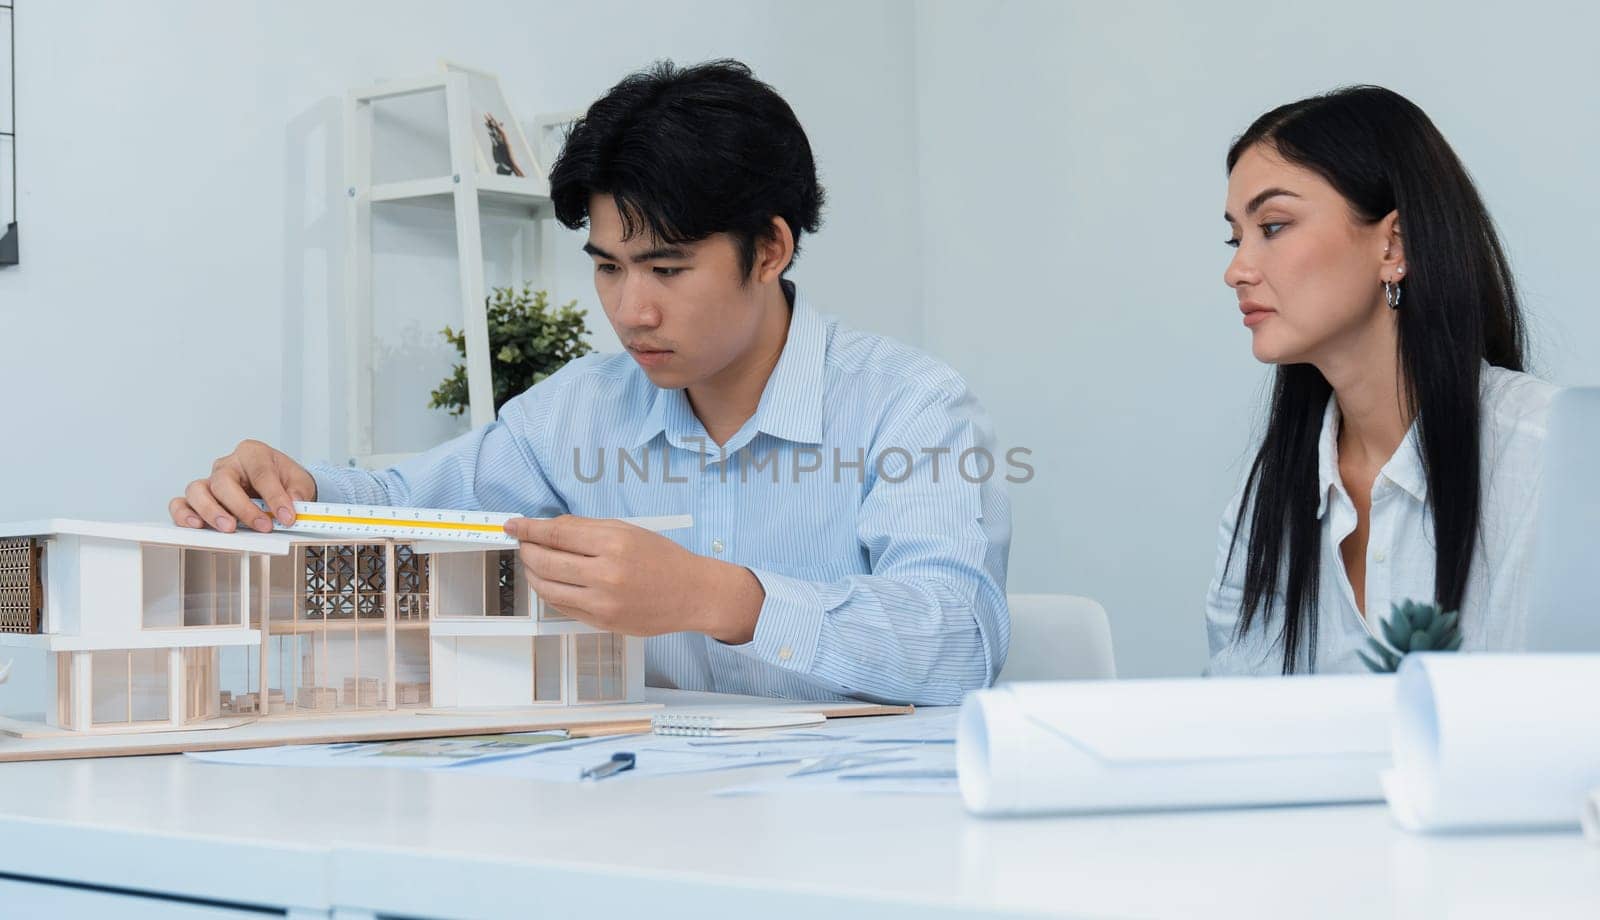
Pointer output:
x,y
470,195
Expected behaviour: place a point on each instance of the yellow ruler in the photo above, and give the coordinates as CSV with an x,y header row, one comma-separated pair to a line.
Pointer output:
x,y
382,522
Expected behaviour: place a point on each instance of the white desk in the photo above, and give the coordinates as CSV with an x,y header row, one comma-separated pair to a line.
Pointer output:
x,y
362,842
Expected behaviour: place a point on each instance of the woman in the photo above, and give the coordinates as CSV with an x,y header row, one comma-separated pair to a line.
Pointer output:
x,y
1402,454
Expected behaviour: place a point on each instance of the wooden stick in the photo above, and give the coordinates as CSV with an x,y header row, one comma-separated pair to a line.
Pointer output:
x,y
407,729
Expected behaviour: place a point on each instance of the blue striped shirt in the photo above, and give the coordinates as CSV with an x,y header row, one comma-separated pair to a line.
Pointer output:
x,y
864,494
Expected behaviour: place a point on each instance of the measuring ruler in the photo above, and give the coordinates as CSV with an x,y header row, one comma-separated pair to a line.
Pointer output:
x,y
383,522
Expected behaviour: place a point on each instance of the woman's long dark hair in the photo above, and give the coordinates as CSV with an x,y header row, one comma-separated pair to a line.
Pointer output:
x,y
1459,308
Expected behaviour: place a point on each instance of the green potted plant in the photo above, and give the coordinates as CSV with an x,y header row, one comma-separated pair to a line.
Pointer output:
x,y
528,341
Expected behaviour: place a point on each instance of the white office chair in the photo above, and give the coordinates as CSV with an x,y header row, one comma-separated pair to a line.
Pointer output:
x,y
1058,637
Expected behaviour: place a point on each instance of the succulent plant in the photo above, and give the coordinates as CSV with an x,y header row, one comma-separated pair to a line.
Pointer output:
x,y
1412,627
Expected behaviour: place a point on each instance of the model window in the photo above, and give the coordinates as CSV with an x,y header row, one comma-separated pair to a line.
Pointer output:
x,y
21,585
477,584
212,593
129,686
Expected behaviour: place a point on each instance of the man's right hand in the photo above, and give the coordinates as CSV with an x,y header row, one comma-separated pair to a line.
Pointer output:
x,y
253,470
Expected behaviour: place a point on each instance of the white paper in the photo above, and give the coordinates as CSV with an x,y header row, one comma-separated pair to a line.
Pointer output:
x,y
1089,746
1494,741
419,754
542,759
916,752
866,767
928,726
654,755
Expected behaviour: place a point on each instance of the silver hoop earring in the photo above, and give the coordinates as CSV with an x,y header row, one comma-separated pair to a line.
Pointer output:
x,y
1391,293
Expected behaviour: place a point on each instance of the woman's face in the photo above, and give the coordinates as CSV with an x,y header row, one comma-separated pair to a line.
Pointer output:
x,y
1308,270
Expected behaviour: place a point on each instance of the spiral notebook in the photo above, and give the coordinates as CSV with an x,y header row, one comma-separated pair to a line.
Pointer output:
x,y
711,724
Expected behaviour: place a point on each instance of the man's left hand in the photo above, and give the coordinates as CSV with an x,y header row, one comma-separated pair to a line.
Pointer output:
x,y
622,578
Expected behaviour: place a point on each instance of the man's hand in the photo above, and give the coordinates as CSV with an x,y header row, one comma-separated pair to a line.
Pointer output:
x,y
253,470
625,579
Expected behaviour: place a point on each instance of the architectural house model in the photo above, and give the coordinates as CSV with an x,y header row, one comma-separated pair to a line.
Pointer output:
x,y
155,627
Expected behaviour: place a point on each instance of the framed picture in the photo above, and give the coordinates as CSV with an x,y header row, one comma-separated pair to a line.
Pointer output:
x,y
550,133
496,135
8,137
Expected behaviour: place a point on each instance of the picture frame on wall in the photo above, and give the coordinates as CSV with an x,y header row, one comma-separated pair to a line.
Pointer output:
x,y
9,248
550,131
497,139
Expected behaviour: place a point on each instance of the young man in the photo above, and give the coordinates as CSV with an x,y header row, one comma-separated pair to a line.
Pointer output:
x,y
849,539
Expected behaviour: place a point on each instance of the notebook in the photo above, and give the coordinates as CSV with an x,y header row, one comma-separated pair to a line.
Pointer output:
x,y
732,722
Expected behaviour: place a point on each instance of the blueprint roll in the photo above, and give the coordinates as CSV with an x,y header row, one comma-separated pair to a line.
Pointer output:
x,y
1494,741
1095,746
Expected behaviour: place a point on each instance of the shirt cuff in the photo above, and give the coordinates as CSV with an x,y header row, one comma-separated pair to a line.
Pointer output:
x,y
347,485
789,624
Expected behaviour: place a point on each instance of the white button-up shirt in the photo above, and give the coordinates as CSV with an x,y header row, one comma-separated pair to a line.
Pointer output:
x,y
1400,543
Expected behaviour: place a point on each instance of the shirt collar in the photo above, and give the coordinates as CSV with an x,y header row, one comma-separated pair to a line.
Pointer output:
x,y
1328,455
791,402
1404,469
669,412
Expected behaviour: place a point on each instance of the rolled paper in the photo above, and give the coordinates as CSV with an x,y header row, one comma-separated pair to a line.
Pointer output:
x,y
1092,746
1591,816
1489,741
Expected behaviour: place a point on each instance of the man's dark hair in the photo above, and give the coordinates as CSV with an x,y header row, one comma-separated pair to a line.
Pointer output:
x,y
687,152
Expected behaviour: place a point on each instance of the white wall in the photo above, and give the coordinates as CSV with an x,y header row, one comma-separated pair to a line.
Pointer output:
x,y
181,208
1073,181
182,214
1032,190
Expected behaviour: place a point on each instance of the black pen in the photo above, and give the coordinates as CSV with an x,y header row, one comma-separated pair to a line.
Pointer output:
x,y
620,761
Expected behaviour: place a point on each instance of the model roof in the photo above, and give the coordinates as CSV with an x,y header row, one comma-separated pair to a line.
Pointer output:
x,y
165,534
